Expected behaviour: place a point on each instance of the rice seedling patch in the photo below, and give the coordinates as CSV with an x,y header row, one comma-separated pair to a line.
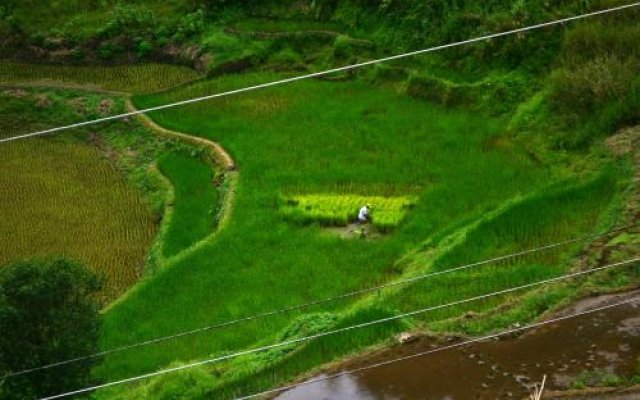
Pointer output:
x,y
340,210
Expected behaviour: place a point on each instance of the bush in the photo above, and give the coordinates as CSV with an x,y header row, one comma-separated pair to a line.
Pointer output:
x,y
593,84
108,51
126,20
595,99
48,313
587,42
144,48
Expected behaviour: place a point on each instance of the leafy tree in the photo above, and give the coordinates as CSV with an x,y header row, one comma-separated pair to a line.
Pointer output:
x,y
48,313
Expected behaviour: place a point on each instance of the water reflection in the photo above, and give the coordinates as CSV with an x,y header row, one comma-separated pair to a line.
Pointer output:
x,y
505,369
345,387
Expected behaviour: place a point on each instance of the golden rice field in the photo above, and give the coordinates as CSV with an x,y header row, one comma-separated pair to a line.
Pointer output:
x,y
64,198
144,78
334,209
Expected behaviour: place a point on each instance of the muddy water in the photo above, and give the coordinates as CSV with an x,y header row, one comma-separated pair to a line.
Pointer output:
x,y
503,369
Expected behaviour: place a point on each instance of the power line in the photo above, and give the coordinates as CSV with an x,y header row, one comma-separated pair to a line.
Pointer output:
x,y
439,349
309,304
325,72
335,331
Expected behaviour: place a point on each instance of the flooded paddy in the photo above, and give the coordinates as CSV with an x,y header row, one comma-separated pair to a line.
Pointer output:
x,y
579,350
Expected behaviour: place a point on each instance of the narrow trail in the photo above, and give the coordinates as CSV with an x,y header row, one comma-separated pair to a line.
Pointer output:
x,y
219,155
229,175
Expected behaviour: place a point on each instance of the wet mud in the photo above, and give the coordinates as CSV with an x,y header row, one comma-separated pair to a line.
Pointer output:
x,y
606,341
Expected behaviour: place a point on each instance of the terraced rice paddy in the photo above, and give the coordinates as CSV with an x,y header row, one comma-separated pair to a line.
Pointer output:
x,y
311,157
61,196
303,143
195,213
143,78
467,154
67,200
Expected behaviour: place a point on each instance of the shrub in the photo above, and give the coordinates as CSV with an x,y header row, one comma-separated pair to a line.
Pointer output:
x,y
108,51
595,99
593,84
77,54
126,20
587,42
48,313
144,48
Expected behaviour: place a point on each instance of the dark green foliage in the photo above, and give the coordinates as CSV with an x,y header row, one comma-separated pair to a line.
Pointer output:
x,y
48,313
144,48
438,91
597,88
126,20
108,50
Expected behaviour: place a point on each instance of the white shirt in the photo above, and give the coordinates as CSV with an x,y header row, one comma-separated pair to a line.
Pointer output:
x,y
363,214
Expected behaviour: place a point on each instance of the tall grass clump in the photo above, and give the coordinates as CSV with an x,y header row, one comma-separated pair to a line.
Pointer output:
x,y
596,98
596,89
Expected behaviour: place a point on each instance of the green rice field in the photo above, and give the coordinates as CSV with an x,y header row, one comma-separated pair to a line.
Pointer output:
x,y
384,144
464,156
196,201
334,209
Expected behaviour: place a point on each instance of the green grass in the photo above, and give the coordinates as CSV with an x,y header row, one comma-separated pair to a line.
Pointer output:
x,y
196,201
67,199
552,215
144,78
309,138
255,373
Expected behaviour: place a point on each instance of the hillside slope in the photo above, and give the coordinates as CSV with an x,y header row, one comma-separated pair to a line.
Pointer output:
x,y
500,143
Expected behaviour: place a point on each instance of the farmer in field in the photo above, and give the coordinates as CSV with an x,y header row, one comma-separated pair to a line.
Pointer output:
x,y
364,214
